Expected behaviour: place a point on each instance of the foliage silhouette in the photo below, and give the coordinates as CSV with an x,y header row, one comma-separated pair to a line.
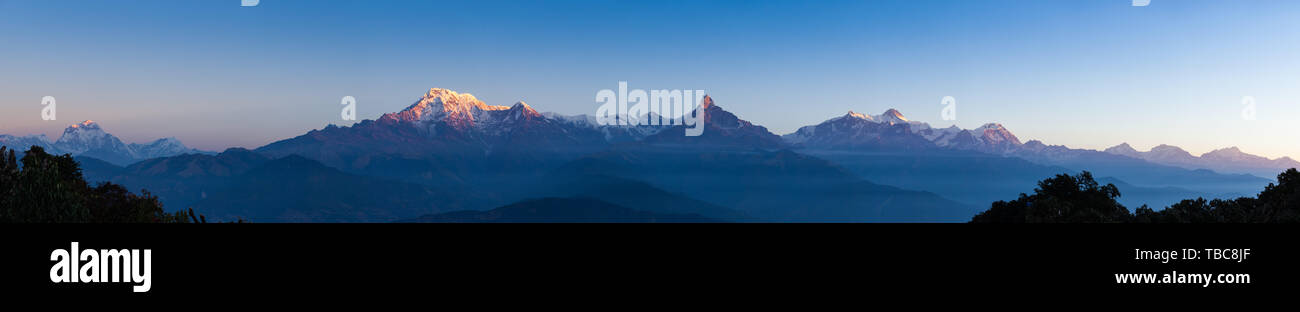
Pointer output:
x,y
45,188
1079,199
1063,198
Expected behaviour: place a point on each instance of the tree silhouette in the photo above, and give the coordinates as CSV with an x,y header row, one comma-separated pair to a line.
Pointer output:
x,y
1281,202
51,189
1079,199
1063,198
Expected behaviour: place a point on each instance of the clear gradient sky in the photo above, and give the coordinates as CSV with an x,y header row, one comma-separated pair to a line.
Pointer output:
x,y
1083,73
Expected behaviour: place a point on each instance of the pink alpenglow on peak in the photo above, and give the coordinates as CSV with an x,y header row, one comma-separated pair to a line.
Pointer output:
x,y
858,115
89,124
995,134
892,116
446,105
463,112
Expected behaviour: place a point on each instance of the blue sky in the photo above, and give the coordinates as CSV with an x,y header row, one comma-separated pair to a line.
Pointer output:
x,y
1086,73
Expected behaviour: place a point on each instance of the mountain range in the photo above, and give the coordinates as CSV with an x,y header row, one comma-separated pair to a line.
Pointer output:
x,y
989,163
1230,159
88,139
447,138
892,131
449,152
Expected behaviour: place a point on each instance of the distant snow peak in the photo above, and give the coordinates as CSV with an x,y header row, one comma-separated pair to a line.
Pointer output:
x,y
855,129
858,115
1164,151
1230,159
87,135
625,107
164,147
1227,151
88,124
521,111
22,143
1233,154
523,108
995,134
1125,150
892,116
582,120
88,139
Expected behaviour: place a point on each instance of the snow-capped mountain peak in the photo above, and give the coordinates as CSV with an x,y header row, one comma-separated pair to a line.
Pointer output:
x,y
164,147
1233,154
521,109
1230,159
439,104
88,139
1169,150
1125,150
518,112
892,128
88,124
584,120
1229,152
1168,154
892,116
87,127
22,143
87,135
995,134
858,116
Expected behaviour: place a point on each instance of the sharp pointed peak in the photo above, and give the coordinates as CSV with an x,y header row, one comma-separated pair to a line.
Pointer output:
x,y
891,115
522,109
